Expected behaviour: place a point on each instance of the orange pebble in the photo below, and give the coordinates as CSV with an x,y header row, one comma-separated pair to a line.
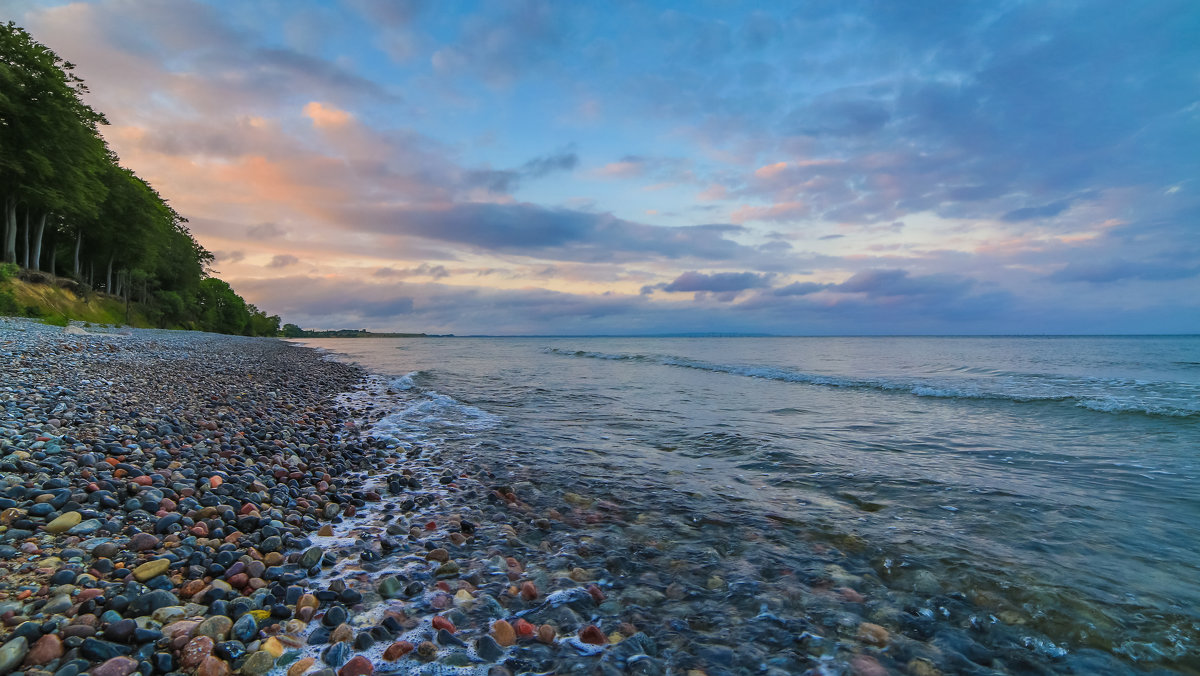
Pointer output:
x,y
546,634
440,622
215,481
503,632
529,591
142,480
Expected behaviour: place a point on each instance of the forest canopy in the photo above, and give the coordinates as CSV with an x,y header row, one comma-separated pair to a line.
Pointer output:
x,y
71,210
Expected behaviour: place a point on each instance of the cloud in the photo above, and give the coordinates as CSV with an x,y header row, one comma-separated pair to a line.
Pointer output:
x,y
1031,213
800,289
283,261
1110,271
325,116
779,213
724,286
565,234
422,270
885,283
549,164
266,230
717,282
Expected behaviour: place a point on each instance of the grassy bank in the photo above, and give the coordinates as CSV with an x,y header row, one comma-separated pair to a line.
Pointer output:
x,y
58,300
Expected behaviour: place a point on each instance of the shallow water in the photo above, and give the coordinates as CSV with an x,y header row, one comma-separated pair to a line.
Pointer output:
x,y
1050,482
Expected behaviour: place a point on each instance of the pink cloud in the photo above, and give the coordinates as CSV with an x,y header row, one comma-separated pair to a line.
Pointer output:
x,y
324,115
783,212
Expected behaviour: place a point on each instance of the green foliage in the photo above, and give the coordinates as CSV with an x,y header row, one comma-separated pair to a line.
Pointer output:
x,y
8,271
56,320
9,304
58,174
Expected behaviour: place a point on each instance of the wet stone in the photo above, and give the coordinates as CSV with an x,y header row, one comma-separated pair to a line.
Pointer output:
x,y
117,666
245,629
397,650
357,666
216,627
64,522
44,650
57,604
336,654
258,663
489,649
12,652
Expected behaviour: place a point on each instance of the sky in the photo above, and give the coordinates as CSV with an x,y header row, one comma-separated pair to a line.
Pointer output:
x,y
546,167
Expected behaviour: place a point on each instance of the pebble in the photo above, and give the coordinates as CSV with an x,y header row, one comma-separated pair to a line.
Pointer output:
x,y
873,634
12,652
397,650
216,627
151,569
117,666
504,633
426,651
301,666
212,666
357,666
64,522
593,635
46,649
258,663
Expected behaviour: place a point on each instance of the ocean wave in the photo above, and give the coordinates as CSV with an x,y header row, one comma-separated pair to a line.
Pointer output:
x,y
1103,402
414,414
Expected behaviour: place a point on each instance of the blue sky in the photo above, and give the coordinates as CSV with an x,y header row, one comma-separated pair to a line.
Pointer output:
x,y
614,168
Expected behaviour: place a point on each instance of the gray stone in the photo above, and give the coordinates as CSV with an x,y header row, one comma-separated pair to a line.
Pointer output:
x,y
12,653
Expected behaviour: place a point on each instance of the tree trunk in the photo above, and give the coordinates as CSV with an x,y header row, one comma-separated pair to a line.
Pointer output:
x,y
37,243
10,231
26,266
78,245
108,276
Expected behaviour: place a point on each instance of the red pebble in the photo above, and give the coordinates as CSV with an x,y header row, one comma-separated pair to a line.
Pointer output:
x,y
443,585
431,526
592,634
397,650
524,629
357,666
597,594
440,622
142,480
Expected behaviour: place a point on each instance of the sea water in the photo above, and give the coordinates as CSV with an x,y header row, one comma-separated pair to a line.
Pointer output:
x,y
1052,481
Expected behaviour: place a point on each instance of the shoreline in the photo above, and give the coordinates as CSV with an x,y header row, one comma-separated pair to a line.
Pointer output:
x,y
321,550
180,502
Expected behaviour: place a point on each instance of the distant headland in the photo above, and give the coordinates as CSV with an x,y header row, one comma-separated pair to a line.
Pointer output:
x,y
293,331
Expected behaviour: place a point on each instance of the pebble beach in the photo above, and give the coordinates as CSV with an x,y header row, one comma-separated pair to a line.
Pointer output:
x,y
189,503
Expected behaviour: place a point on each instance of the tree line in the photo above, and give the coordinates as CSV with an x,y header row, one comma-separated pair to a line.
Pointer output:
x,y
71,210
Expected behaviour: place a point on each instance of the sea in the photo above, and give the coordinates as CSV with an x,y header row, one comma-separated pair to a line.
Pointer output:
x,y
1049,482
